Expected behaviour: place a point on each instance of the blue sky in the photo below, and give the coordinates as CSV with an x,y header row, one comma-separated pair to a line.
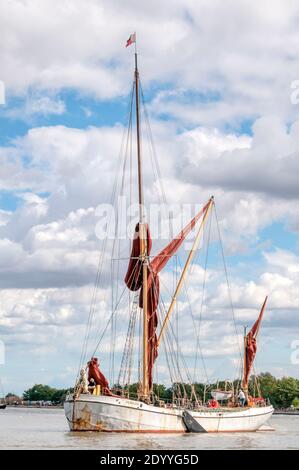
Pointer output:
x,y
223,124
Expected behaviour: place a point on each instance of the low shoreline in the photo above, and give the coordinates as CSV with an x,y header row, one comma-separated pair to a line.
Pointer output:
x,y
286,412
47,407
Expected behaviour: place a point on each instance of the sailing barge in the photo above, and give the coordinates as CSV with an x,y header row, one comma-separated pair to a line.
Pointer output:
x,y
104,409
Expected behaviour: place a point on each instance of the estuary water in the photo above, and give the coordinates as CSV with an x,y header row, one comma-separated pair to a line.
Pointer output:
x,y
24,428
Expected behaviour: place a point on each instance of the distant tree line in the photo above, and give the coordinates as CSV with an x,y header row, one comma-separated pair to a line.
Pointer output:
x,y
41,392
282,393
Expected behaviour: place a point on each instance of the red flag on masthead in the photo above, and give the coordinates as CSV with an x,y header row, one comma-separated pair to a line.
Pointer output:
x,y
131,39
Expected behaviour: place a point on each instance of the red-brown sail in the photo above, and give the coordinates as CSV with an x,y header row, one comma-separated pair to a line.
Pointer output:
x,y
250,344
99,378
133,280
133,277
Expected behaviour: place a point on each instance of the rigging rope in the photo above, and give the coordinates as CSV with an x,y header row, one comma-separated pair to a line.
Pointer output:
x,y
198,348
116,249
101,260
227,282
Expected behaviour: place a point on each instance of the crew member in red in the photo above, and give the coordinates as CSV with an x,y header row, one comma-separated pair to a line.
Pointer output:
x,y
213,403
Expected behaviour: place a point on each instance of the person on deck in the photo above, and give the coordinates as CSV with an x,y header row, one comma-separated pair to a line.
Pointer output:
x,y
91,385
213,403
242,397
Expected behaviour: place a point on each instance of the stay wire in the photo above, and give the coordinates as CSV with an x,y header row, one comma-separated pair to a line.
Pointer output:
x,y
227,282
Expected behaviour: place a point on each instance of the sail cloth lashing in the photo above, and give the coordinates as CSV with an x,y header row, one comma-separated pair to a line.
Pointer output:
x,y
99,378
133,280
250,344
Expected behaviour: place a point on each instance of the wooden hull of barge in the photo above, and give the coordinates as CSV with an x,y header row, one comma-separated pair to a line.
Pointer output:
x,y
228,420
104,413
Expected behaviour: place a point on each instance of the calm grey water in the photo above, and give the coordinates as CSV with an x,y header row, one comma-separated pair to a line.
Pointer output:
x,y
47,429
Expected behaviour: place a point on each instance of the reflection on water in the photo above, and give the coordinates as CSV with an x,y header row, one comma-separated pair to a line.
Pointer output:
x,y
47,429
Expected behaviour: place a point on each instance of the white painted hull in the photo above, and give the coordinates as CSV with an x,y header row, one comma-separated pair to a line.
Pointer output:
x,y
232,420
103,413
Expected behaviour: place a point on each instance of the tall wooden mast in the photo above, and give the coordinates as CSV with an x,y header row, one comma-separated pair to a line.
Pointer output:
x,y
143,242
140,186
244,384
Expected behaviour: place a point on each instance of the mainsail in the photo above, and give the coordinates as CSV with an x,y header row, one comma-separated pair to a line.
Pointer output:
x,y
133,280
250,345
